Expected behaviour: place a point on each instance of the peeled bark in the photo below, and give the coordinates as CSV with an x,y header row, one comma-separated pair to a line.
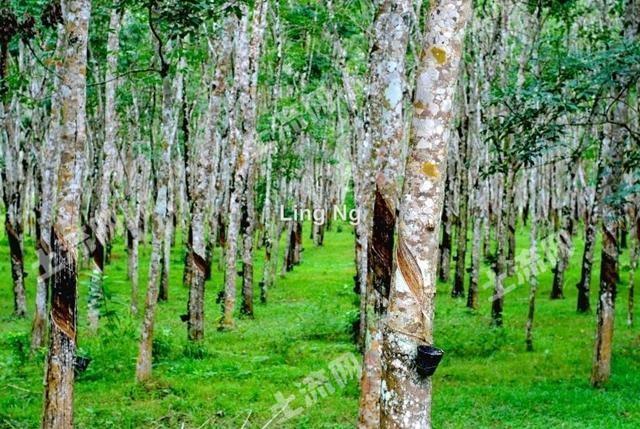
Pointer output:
x,y
405,395
59,377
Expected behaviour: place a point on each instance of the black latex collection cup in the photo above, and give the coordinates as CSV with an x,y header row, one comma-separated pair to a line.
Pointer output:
x,y
428,359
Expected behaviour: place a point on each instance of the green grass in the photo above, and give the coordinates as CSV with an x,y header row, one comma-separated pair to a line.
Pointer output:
x,y
486,380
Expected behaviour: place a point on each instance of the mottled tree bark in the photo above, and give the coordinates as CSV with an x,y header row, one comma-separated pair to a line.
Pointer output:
x,y
204,157
497,303
565,237
110,155
47,170
611,215
634,254
12,173
444,264
360,151
271,222
405,395
233,229
243,137
385,111
136,175
66,235
247,227
478,203
533,261
463,195
165,261
584,285
14,229
160,219
511,226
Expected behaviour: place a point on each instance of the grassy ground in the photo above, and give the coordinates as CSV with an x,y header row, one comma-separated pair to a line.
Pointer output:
x,y
486,380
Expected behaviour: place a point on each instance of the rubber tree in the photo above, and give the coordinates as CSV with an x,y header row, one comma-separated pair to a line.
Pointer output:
x,y
385,111
66,234
405,395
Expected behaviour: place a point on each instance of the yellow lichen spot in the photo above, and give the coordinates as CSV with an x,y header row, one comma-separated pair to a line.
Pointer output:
x,y
430,169
439,54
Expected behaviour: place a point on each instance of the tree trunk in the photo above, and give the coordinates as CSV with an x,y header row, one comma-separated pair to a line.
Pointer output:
x,y
405,395
165,272
48,160
110,156
385,111
565,236
447,236
500,269
71,87
533,261
133,248
463,195
634,253
204,157
247,227
160,220
13,169
13,226
243,136
609,276
584,285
